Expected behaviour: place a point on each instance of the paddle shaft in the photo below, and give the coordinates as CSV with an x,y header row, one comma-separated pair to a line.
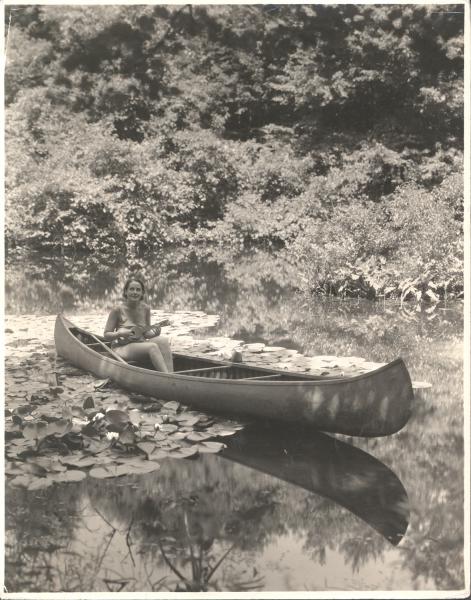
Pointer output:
x,y
113,354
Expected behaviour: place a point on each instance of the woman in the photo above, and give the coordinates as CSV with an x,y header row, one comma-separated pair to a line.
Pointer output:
x,y
129,330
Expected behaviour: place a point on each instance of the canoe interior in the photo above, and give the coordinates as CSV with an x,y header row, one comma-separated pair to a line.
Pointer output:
x,y
204,367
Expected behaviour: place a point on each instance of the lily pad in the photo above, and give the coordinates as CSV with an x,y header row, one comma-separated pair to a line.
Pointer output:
x,y
23,410
128,468
178,435
55,390
101,384
96,446
35,430
147,447
47,464
59,427
103,472
88,403
73,475
160,454
117,417
135,417
255,347
33,469
40,483
78,411
22,481
17,421
274,349
171,406
154,407
161,419
198,436
13,468
210,447
127,437
187,420
168,428
185,452
80,462
138,467
226,432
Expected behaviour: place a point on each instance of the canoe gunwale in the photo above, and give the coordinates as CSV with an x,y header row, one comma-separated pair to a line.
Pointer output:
x,y
241,382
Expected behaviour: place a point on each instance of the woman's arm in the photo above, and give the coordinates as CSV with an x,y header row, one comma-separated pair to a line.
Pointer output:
x,y
111,331
147,315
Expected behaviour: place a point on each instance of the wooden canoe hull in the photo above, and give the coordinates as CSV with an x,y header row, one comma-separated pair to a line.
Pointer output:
x,y
374,404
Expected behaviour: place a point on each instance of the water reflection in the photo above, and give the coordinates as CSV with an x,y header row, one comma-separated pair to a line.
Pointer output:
x,y
331,468
210,280
204,525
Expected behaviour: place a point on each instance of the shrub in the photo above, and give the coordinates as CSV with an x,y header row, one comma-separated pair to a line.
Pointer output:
x,y
411,244
58,214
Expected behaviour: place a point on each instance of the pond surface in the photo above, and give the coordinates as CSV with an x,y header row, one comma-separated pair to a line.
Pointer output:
x,y
277,510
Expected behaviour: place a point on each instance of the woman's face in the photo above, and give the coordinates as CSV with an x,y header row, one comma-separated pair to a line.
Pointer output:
x,y
134,291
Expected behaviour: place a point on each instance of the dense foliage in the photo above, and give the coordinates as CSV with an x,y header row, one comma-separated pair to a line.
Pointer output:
x,y
332,130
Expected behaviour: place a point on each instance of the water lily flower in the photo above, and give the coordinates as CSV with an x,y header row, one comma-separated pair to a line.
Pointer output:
x,y
157,426
98,416
112,435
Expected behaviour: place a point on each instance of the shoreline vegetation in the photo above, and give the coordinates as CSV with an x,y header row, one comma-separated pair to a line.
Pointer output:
x,y
331,134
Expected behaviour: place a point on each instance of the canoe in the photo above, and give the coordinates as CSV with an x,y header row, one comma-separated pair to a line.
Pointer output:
x,y
328,467
376,403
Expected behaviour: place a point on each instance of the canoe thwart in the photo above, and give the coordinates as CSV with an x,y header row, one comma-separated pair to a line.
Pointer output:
x,y
198,371
262,377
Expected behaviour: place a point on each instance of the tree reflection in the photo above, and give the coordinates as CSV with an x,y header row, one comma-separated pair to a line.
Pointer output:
x,y
38,526
200,556
194,518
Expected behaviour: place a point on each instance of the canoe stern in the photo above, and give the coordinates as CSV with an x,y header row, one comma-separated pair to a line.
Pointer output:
x,y
370,406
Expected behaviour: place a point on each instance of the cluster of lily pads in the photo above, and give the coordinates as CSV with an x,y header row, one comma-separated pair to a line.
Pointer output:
x,y
83,426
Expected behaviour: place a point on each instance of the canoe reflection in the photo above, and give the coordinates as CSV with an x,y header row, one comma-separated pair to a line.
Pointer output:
x,y
329,467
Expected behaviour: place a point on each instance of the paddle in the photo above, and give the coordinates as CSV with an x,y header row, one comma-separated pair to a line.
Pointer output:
x,y
103,345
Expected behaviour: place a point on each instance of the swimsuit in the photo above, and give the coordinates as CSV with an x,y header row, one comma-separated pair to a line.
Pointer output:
x,y
125,321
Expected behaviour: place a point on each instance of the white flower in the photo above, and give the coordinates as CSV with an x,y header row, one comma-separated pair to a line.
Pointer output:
x,y
112,435
98,416
157,426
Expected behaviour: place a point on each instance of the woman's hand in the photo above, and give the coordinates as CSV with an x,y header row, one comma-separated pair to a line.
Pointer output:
x,y
125,333
152,332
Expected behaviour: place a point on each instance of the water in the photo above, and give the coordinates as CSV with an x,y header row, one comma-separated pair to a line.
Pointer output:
x,y
278,510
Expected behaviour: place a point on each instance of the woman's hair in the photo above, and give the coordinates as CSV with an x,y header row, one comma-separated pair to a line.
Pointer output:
x,y
129,280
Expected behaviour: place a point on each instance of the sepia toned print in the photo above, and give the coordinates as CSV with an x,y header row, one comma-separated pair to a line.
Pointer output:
x,y
235,300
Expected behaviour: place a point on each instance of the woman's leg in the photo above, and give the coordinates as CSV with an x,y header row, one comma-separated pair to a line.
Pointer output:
x,y
163,344
140,351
